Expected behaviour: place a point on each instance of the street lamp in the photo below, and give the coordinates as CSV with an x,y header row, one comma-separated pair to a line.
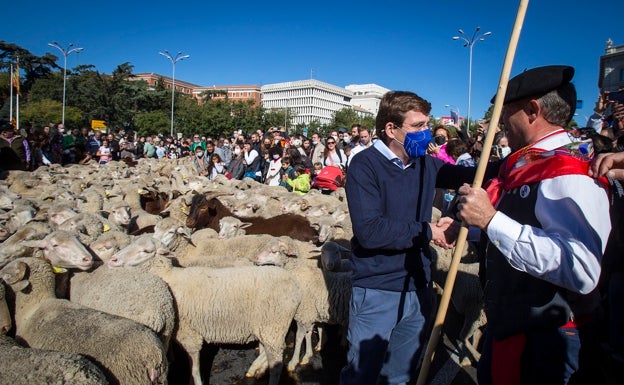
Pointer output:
x,y
173,61
470,43
451,106
65,52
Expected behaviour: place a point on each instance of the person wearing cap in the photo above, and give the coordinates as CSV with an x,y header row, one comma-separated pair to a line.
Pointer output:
x,y
14,151
544,222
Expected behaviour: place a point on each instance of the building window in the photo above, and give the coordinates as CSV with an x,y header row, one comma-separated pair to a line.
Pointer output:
x,y
622,74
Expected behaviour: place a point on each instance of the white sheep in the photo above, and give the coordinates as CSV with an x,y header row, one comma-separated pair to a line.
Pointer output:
x,y
118,213
173,234
215,252
14,247
88,227
326,298
27,366
129,352
229,305
108,243
230,227
139,296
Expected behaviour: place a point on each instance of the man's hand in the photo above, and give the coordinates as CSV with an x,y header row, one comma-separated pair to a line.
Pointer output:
x,y
444,232
611,165
474,207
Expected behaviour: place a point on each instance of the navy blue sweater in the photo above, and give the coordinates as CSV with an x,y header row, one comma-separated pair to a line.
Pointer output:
x,y
390,210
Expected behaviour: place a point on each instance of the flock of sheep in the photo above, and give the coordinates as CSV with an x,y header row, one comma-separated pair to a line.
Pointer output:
x,y
102,273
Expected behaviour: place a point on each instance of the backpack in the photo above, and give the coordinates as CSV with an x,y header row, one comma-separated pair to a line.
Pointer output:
x,y
330,178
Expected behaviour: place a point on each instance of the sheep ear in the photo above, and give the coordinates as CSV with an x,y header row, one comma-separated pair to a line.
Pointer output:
x,y
245,225
13,273
37,244
184,231
315,226
340,216
161,251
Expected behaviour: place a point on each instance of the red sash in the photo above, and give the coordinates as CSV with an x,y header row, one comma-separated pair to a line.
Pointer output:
x,y
530,165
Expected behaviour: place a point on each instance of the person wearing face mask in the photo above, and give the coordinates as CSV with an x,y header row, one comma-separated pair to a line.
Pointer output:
x,y
437,147
201,164
273,177
390,191
236,169
318,148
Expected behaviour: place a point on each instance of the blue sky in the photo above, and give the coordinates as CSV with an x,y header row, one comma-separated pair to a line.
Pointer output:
x,y
403,45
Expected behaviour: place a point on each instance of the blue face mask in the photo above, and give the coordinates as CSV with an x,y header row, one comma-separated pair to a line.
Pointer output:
x,y
416,143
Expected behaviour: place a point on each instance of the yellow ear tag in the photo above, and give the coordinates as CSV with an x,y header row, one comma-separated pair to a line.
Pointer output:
x,y
106,227
59,270
107,193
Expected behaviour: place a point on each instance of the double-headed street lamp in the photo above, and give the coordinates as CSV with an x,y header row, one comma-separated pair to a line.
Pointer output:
x,y
173,61
65,52
470,43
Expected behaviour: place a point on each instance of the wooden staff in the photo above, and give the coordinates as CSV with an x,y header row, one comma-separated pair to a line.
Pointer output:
x,y
463,231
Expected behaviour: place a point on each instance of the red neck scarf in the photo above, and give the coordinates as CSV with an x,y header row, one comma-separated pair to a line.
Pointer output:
x,y
529,165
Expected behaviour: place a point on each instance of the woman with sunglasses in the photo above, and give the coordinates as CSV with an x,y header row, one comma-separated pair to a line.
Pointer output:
x,y
333,156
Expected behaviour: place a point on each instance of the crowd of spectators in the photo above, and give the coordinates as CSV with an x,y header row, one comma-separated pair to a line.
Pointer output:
x,y
271,157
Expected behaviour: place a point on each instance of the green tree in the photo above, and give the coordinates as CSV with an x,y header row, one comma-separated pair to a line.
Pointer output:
x,y
344,118
50,111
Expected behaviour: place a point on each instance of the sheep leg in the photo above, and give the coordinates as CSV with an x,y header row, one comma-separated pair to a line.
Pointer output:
x,y
274,358
260,364
470,328
299,337
192,344
321,340
309,350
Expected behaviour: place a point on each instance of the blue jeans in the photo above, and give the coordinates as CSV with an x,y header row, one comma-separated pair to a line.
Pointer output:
x,y
550,357
386,336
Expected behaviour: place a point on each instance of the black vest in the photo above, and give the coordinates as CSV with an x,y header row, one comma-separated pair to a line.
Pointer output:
x,y
515,301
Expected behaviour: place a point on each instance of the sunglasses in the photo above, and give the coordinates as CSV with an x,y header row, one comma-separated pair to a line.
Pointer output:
x,y
331,142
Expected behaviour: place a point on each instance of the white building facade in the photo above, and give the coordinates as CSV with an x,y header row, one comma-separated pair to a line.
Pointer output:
x,y
308,100
367,96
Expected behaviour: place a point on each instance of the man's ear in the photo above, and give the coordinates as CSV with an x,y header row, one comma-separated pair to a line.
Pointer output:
x,y
389,129
532,109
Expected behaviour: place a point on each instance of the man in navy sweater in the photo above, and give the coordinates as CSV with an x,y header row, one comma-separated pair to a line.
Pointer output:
x,y
390,192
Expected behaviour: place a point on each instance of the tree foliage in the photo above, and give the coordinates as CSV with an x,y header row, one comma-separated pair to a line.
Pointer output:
x,y
129,104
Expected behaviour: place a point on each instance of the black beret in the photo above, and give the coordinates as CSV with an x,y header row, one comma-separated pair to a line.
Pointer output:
x,y
537,82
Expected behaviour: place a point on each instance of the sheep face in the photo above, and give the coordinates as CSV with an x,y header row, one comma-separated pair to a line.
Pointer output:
x,y
276,253
120,215
230,227
137,253
63,249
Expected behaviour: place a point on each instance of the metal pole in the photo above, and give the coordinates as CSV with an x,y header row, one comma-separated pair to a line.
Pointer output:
x,y
470,43
469,89
173,61
172,95
65,52
463,231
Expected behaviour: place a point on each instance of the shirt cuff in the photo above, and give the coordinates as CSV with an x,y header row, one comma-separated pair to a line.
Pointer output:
x,y
503,233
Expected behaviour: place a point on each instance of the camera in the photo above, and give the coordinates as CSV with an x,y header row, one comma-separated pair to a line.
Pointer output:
x,y
616,96
498,151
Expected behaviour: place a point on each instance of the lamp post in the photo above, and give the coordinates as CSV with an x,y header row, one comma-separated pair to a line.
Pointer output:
x,y
173,60
450,106
470,43
65,52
